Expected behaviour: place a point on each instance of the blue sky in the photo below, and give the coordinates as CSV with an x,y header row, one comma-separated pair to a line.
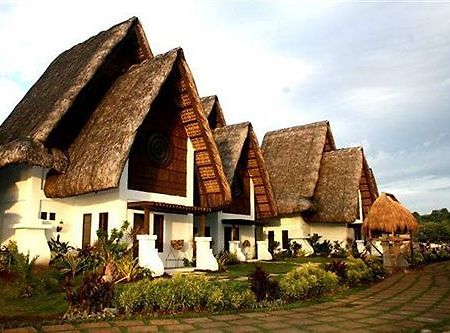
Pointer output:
x,y
379,72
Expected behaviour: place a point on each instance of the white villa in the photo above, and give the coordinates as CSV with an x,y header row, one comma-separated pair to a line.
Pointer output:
x,y
237,227
110,133
318,189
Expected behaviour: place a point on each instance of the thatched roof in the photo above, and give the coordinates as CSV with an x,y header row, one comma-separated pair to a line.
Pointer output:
x,y
231,141
24,135
95,165
213,111
293,156
336,192
83,127
387,215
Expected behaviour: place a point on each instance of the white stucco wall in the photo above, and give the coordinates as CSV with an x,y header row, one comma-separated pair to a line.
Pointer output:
x,y
296,226
22,199
332,232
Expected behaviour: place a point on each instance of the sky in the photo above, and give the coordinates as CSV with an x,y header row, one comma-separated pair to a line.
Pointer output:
x,y
378,71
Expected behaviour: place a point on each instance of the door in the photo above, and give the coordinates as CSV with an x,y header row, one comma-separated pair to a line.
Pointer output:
x,y
227,237
138,229
271,236
285,239
87,224
158,230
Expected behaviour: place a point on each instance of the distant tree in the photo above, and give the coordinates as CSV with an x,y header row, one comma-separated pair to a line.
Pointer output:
x,y
434,227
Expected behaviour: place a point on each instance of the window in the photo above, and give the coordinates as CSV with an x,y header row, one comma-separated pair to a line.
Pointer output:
x,y
47,216
103,222
285,239
86,238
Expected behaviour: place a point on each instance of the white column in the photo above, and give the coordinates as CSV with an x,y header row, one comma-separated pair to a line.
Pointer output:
x,y
148,255
205,259
263,250
236,249
31,240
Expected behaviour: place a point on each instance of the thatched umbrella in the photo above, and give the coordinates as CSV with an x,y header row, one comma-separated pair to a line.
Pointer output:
x,y
387,215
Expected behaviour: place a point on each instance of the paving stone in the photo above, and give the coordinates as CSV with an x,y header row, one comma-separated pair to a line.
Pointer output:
x,y
272,318
208,330
128,323
20,330
163,322
246,321
254,314
245,328
350,325
99,324
427,320
57,328
291,330
274,325
179,327
196,320
324,329
142,329
226,317
104,330
213,324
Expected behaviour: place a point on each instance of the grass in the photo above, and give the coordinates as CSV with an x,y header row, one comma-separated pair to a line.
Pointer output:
x,y
280,266
47,305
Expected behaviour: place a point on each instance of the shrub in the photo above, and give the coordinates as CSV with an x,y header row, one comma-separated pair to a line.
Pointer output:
x,y
357,272
309,280
339,267
339,251
377,269
113,247
58,250
183,293
273,246
263,286
91,297
320,249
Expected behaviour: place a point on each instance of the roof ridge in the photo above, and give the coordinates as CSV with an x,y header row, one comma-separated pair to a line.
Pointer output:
x,y
304,126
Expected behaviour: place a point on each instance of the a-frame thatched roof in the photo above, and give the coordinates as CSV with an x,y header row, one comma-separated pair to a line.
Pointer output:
x,y
342,173
387,215
293,156
213,111
96,152
24,135
231,141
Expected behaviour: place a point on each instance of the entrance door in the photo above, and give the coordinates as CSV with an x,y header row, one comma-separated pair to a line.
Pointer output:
x,y
227,238
139,229
285,239
158,230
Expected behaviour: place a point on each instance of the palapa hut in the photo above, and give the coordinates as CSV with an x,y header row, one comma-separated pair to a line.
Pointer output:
x,y
252,195
386,220
388,216
318,189
109,133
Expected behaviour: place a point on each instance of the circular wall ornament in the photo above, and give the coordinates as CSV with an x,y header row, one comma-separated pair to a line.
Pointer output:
x,y
159,149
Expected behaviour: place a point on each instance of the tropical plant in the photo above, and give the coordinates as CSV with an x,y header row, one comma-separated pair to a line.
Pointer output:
x,y
114,246
339,251
263,286
127,269
307,281
74,263
58,250
339,267
320,249
92,296
357,272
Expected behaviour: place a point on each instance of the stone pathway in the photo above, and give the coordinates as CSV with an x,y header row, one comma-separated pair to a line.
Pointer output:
x,y
418,301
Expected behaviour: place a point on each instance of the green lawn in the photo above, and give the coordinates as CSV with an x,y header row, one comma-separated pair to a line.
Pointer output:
x,y
273,267
14,309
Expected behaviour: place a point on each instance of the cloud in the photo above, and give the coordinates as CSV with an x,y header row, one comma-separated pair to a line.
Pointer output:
x,y
379,72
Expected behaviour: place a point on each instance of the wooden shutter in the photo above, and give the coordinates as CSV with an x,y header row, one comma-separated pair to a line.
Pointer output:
x,y
86,238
